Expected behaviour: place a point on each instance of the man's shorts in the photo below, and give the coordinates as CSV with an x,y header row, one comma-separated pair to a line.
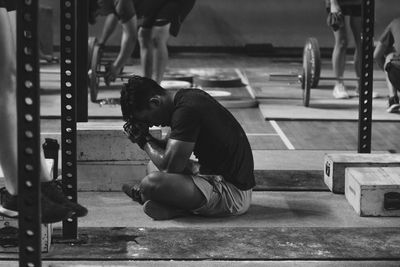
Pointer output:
x,y
222,197
123,9
161,12
350,10
393,70
10,5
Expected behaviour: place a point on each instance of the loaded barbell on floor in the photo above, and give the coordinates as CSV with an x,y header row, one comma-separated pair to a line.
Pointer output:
x,y
311,70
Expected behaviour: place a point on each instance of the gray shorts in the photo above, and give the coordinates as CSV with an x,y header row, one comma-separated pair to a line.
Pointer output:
x,y
222,197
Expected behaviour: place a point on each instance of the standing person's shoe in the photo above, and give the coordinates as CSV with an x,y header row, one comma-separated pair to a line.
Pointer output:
x,y
340,92
161,212
394,105
55,194
51,212
133,191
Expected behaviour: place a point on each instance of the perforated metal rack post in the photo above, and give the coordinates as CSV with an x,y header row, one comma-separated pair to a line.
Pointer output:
x,y
28,114
366,79
68,108
82,10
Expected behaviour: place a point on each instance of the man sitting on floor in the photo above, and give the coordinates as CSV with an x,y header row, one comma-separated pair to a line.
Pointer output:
x,y
220,184
387,56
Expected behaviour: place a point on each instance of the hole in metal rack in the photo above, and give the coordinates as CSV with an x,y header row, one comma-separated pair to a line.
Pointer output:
x,y
364,146
28,184
68,73
70,220
365,110
364,137
365,128
28,17
67,4
28,117
30,264
68,27
69,164
28,2
68,61
28,34
28,101
68,130
68,152
69,175
29,167
68,38
68,141
69,96
27,51
28,84
30,233
69,197
30,249
68,118
28,151
365,101
28,134
68,107
69,186
68,84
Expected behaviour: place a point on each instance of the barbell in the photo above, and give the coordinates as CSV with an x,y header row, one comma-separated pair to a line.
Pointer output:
x,y
311,70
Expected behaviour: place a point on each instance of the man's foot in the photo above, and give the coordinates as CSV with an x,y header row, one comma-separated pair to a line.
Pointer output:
x,y
133,192
51,212
161,212
394,105
55,194
339,91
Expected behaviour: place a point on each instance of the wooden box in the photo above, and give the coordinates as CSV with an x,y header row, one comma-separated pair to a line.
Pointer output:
x,y
373,191
335,165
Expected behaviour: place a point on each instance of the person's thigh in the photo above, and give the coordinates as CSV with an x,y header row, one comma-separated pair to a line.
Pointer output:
x,y
172,189
222,197
7,49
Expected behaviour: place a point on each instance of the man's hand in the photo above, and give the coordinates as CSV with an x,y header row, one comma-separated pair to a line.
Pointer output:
x,y
137,132
111,73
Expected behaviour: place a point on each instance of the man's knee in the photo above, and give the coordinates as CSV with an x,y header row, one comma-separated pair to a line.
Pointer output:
x,y
144,37
161,34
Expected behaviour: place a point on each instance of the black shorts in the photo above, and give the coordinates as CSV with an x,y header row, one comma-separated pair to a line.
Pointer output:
x,y
353,10
161,12
393,70
10,5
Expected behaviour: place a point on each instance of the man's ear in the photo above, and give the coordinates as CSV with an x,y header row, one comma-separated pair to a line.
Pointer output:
x,y
155,101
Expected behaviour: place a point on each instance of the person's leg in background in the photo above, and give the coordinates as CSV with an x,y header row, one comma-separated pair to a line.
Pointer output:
x,y
339,60
160,50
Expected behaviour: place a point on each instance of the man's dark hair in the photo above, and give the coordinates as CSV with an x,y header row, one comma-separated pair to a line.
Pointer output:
x,y
136,93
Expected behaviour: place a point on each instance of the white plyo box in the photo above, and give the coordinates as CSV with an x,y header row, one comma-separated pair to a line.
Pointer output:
x,y
373,191
335,165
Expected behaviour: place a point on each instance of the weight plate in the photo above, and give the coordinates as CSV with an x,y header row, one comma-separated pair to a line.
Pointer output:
x,y
95,68
307,78
92,41
218,94
175,85
219,80
178,76
312,47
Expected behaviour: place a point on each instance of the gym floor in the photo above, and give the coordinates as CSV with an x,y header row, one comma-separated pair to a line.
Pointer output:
x,y
294,219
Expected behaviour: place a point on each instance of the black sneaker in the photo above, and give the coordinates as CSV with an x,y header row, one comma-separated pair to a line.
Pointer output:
x,y
394,105
51,212
55,194
133,192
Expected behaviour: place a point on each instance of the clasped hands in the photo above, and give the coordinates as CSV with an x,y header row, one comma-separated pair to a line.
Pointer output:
x,y
137,132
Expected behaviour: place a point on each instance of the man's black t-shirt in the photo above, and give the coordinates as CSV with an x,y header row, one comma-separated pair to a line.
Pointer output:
x,y
221,145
